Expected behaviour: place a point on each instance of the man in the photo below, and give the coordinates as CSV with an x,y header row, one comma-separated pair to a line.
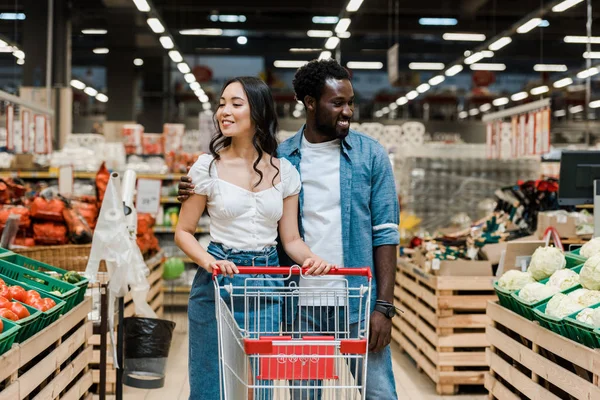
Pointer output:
x,y
348,207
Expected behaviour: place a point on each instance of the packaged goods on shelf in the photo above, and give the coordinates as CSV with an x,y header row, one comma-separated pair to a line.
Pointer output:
x,y
132,138
152,143
148,165
173,137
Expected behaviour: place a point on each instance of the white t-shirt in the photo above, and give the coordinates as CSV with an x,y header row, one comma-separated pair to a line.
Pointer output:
x,y
241,219
322,216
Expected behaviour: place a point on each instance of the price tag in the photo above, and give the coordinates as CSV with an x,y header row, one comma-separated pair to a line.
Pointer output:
x,y
148,196
435,264
65,180
561,219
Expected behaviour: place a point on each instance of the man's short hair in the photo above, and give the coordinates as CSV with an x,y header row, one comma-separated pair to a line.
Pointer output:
x,y
310,79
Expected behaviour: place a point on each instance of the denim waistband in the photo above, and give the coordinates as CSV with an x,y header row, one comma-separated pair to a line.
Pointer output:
x,y
267,251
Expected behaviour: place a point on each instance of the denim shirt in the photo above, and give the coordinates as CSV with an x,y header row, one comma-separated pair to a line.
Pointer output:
x,y
369,204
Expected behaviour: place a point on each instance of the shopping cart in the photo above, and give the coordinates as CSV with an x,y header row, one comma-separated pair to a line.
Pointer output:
x,y
279,339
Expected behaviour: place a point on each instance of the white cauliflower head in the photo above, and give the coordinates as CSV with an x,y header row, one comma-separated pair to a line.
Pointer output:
x,y
591,248
596,317
514,280
534,292
589,298
545,261
564,279
561,305
577,294
585,316
589,277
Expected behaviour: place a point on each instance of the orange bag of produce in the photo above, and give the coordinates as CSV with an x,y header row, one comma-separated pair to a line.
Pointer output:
x,y
17,189
24,241
79,230
88,211
47,210
49,233
102,178
5,212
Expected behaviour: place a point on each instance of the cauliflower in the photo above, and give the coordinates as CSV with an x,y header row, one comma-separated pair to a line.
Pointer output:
x,y
589,298
591,248
585,316
564,279
577,294
561,305
534,292
590,273
514,280
545,261
596,317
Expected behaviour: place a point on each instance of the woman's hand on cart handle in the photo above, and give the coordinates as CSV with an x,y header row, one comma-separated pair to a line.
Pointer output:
x,y
296,270
224,267
316,266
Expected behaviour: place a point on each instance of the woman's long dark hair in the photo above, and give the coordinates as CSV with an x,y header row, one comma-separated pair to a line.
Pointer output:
x,y
262,112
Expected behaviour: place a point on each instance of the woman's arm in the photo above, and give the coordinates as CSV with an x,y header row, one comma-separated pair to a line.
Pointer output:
x,y
293,244
189,215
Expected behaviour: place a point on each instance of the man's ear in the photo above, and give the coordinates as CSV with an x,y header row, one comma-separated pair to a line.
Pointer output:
x,y
311,103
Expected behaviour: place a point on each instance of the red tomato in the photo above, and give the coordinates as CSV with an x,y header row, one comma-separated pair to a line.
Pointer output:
x,y
6,313
2,282
18,293
4,303
49,303
1,326
34,293
39,304
5,292
20,310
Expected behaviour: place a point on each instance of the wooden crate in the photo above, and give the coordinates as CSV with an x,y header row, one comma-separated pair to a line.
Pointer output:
x,y
155,299
443,325
526,359
52,364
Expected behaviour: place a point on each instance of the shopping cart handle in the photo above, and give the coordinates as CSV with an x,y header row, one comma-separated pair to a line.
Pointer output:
x,y
296,271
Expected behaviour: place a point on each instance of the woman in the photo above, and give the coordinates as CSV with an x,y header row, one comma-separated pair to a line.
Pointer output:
x,y
250,195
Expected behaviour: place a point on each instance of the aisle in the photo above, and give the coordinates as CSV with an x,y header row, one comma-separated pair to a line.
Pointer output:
x,y
410,384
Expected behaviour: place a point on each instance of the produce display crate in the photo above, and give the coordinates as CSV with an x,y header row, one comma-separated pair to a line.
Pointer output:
x,y
72,257
576,254
52,364
574,259
39,266
556,325
9,334
29,325
42,283
527,360
505,297
581,332
443,325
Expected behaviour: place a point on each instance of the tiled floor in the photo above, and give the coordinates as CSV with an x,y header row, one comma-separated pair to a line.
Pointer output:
x,y
410,384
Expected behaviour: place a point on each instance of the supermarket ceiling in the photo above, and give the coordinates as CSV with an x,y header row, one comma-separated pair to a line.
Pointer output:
x,y
272,28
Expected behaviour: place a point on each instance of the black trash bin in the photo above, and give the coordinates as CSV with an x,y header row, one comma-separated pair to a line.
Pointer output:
x,y
147,342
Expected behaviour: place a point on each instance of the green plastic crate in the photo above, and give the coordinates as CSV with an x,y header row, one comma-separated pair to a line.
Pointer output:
x,y
597,333
41,282
5,252
8,335
556,325
505,297
574,259
581,332
30,325
39,266
47,317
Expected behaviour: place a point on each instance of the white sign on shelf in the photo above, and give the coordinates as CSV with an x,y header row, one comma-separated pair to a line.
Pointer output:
x,y
65,180
148,196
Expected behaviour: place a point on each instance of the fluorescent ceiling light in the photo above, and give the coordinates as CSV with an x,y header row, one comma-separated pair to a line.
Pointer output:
x,y
560,113
401,101
588,72
519,96
500,43
201,32
19,54
344,35
101,50
426,66
175,56
563,82
488,67
343,25
203,98
453,70
473,112
12,16
303,50
422,88
385,110
595,104
412,95
501,101
576,88
189,78
565,5
466,37
319,33
77,84
485,107
183,68
289,63
199,92
544,24
6,49
393,106
463,114
194,86
575,109
473,58
353,5
594,55
529,25
325,20
242,40
550,68
436,80
378,114
438,21
94,31
142,5
539,90
138,62
332,43
325,55
166,42
364,65
90,91
206,106
155,25
102,97
582,39
227,18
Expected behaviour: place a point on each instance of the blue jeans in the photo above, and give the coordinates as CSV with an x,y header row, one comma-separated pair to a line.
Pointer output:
x,y
381,384
204,369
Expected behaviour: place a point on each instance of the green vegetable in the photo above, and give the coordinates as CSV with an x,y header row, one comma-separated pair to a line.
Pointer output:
x,y
56,293
72,277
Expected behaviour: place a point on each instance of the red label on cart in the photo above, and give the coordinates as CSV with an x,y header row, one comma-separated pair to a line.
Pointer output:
x,y
299,361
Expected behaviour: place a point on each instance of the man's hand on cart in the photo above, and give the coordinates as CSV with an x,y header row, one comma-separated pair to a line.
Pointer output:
x,y
380,332
185,188
317,266
226,267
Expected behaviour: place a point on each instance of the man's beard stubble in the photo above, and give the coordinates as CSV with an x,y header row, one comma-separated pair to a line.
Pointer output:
x,y
327,129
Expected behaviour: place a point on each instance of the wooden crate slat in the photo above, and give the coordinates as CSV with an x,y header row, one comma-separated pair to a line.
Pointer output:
x,y
80,388
465,302
461,377
427,279
475,283
418,341
420,327
420,292
462,359
414,303
111,376
464,320
9,362
11,392
463,340
419,358
498,390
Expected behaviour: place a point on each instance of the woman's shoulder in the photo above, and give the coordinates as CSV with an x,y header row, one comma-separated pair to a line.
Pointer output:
x,y
203,163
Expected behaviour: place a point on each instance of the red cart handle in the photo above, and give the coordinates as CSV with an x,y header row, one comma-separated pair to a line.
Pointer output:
x,y
296,271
